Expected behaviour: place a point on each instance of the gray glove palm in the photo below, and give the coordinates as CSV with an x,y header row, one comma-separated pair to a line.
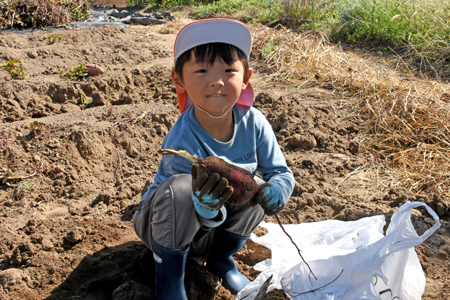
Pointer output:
x,y
209,192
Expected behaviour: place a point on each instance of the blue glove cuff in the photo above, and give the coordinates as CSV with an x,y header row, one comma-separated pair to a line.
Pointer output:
x,y
202,209
273,201
213,223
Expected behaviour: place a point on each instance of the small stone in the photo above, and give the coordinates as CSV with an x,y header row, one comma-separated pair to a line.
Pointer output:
x,y
32,54
68,107
146,20
132,152
353,147
284,132
264,98
105,198
98,99
441,207
47,245
305,142
75,236
11,277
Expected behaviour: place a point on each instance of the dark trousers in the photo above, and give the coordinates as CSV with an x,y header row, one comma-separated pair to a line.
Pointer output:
x,y
168,217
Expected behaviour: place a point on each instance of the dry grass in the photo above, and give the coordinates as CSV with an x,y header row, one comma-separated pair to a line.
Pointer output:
x,y
172,27
291,57
407,119
432,55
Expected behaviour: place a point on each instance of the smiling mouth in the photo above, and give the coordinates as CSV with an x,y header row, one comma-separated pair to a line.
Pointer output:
x,y
216,95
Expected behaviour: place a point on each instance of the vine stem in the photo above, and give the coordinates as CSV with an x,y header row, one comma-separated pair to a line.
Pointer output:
x,y
37,171
319,288
292,240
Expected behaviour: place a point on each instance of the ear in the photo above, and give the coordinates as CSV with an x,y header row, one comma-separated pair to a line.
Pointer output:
x,y
178,82
247,78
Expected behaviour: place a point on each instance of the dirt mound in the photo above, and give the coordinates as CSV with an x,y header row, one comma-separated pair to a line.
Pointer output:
x,y
67,234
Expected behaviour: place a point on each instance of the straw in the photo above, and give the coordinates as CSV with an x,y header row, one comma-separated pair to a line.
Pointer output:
x,y
406,118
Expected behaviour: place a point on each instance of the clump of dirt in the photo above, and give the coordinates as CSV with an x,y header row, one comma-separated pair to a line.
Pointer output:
x,y
67,232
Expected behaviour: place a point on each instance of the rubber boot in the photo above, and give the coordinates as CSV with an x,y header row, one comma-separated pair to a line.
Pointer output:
x,y
169,272
220,260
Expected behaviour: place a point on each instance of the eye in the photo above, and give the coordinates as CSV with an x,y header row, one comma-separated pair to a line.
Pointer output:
x,y
201,71
229,70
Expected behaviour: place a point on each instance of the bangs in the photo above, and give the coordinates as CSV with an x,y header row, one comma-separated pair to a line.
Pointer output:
x,y
209,53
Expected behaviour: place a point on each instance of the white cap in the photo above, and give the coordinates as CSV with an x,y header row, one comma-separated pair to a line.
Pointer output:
x,y
207,31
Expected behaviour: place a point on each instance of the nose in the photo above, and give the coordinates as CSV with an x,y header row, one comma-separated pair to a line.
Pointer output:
x,y
216,81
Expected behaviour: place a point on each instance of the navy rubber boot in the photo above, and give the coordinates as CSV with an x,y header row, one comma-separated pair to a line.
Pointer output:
x,y
169,272
220,260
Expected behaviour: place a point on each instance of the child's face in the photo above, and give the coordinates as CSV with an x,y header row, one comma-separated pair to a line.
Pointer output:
x,y
215,87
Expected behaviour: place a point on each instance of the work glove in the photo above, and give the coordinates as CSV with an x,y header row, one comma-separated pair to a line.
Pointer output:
x,y
209,192
269,197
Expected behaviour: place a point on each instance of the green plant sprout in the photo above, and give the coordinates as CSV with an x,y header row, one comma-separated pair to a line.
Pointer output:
x,y
36,128
76,73
15,71
51,39
72,40
83,101
5,178
9,177
28,185
110,107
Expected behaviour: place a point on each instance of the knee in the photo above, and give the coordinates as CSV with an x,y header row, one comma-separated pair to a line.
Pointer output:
x,y
181,188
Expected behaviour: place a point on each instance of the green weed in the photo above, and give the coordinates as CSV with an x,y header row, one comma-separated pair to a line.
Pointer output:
x,y
72,40
167,3
419,28
83,101
268,48
15,71
29,184
36,128
5,179
261,11
138,3
75,73
53,38
311,14
42,13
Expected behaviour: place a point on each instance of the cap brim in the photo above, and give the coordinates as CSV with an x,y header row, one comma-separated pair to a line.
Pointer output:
x,y
207,31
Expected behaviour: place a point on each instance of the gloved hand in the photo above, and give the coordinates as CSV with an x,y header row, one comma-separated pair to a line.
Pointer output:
x,y
209,192
269,197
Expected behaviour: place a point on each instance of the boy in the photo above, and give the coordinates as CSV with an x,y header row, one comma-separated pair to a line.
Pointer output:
x,y
181,215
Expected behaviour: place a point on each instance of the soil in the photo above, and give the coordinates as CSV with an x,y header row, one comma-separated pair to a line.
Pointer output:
x,y
67,232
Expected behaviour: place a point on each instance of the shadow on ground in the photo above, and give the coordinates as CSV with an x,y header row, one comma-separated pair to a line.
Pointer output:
x,y
126,272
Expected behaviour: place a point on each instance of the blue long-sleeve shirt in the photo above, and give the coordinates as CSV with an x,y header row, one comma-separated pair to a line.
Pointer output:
x,y
253,147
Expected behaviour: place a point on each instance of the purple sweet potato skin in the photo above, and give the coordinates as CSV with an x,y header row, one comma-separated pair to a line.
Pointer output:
x,y
241,180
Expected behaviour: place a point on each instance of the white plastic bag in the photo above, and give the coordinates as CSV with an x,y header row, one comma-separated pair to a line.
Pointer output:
x,y
351,260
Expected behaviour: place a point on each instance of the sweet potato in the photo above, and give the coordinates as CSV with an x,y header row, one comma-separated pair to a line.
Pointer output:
x,y
241,180
94,70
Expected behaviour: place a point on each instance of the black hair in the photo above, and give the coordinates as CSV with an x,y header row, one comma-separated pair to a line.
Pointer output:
x,y
209,53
